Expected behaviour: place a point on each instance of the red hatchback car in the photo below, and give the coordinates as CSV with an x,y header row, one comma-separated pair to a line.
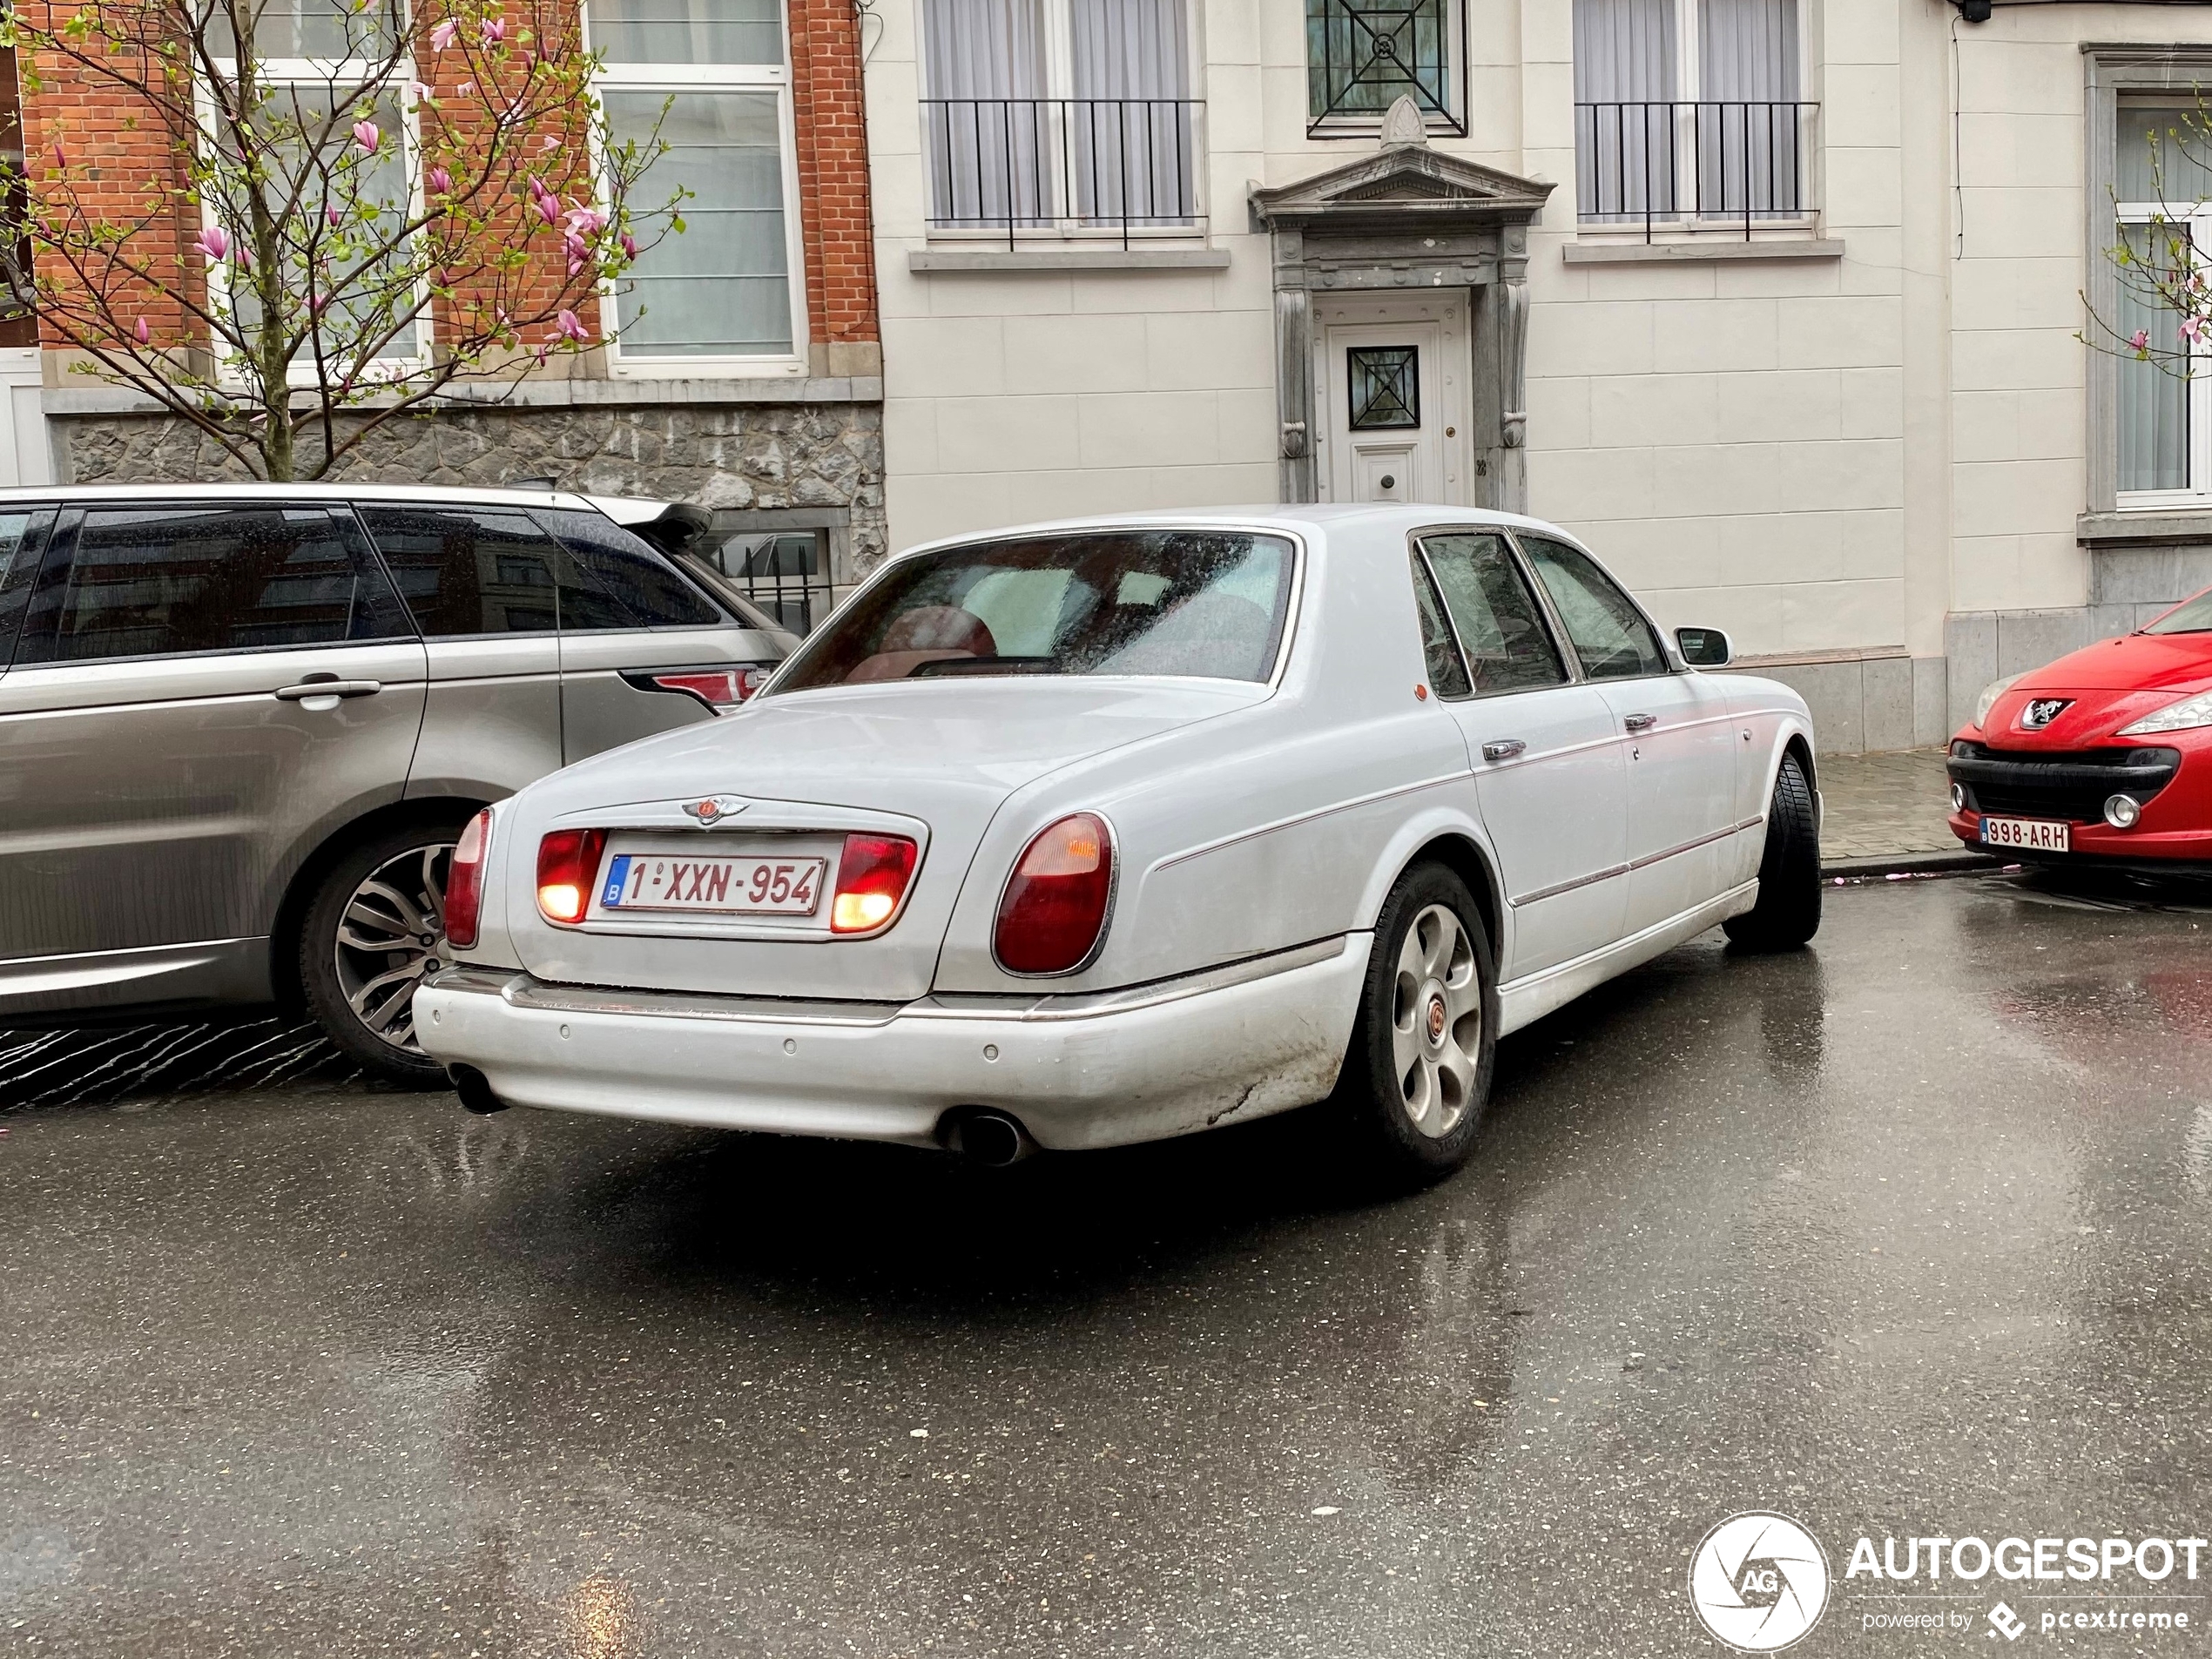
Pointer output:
x,y
2103,758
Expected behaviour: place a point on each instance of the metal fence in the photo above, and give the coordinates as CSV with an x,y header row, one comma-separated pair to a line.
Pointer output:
x,y
1063,165
1683,162
787,573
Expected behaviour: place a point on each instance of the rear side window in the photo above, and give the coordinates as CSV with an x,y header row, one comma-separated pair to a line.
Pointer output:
x,y
1608,633
644,590
1441,653
160,581
1498,624
469,570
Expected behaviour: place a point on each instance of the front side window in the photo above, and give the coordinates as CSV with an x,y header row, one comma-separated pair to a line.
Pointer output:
x,y
1060,117
1363,56
1185,603
1499,625
164,581
1689,110
708,79
1610,635
2161,183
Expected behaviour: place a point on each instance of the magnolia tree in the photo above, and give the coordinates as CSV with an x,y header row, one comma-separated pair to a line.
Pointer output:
x,y
347,212
2164,314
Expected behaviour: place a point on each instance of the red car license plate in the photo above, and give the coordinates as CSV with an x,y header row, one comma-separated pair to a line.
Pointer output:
x,y
2030,834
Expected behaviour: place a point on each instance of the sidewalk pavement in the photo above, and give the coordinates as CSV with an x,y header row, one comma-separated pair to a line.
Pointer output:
x,y
1887,813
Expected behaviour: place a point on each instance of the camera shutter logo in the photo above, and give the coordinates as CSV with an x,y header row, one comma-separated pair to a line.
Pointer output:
x,y
1759,1581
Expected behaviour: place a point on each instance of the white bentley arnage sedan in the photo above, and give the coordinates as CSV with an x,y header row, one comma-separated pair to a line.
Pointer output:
x,y
1117,829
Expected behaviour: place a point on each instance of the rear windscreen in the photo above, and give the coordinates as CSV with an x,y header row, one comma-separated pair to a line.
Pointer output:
x,y
1208,605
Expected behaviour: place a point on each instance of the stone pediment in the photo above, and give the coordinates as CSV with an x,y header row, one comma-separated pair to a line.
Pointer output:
x,y
1404,185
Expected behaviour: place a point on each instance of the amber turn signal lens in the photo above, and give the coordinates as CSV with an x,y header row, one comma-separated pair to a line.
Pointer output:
x,y
1054,905
568,863
871,876
465,881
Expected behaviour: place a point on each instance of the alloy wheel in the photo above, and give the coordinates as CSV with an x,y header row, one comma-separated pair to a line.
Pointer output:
x,y
1436,1021
389,938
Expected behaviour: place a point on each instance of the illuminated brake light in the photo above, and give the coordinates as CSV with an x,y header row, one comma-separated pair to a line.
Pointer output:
x,y
568,863
871,876
465,881
1053,910
721,689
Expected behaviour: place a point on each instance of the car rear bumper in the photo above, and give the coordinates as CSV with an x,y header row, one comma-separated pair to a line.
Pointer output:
x,y
1105,1069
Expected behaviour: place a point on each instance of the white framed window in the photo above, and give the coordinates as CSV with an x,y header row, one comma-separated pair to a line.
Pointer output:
x,y
1062,118
1362,56
1692,113
318,60
728,295
2162,419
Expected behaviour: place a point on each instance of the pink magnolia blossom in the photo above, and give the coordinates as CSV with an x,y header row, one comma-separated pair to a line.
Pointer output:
x,y
538,192
2190,326
367,136
584,221
437,182
549,209
213,241
61,156
468,89
140,333
571,327
578,251
443,35
242,254
493,29
316,302
544,351
628,246
332,217
2141,341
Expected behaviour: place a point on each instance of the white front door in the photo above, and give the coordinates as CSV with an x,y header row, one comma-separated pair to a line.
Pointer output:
x,y
1391,375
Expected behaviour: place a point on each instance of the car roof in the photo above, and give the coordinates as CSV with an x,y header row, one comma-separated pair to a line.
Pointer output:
x,y
1392,519
255,490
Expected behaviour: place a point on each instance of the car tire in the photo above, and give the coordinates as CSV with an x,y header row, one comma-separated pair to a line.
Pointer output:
x,y
362,947
1417,1075
1788,911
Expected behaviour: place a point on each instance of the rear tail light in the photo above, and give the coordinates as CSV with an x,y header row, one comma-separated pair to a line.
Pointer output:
x,y
465,881
1053,910
568,863
720,687
871,876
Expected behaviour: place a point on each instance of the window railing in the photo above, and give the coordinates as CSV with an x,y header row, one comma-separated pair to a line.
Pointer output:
x,y
1064,166
787,573
1690,163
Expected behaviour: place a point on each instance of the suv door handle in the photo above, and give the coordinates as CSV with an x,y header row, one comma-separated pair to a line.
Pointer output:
x,y
332,687
1639,722
1506,749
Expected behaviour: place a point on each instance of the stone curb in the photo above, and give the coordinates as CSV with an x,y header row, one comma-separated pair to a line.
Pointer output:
x,y
1882,864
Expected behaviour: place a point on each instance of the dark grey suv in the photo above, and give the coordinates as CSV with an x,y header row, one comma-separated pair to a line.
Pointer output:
x,y
240,728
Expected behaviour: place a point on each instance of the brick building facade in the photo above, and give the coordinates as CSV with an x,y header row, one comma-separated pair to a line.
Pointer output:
x,y
752,384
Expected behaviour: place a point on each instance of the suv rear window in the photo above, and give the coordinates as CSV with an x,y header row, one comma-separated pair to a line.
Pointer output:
x,y
630,572
159,581
1203,604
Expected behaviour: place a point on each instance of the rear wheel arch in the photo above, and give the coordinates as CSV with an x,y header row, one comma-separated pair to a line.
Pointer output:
x,y
300,892
1465,859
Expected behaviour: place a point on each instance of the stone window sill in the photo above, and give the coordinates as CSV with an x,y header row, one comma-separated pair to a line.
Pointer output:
x,y
2159,528
972,261
1702,251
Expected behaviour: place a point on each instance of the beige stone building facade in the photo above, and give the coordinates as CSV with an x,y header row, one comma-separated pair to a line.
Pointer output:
x,y
1775,302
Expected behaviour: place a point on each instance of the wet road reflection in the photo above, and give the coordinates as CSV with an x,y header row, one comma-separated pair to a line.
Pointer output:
x,y
1904,1233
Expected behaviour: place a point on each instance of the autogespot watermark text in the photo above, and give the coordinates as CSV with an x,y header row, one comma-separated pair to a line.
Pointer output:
x,y
2131,1572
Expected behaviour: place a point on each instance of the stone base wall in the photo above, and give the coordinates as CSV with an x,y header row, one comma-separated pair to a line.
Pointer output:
x,y
735,455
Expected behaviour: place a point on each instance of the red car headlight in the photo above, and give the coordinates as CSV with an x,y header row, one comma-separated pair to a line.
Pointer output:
x,y
1053,910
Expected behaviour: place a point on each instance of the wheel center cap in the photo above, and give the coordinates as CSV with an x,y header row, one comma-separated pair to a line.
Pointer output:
x,y
1438,1018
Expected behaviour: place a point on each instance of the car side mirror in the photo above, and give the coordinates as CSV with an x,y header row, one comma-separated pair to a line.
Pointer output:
x,y
1704,647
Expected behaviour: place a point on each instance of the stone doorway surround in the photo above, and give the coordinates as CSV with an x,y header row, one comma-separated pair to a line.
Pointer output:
x,y
1407,217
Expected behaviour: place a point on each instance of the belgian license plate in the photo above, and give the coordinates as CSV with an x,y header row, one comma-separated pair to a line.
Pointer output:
x,y
722,885
2031,835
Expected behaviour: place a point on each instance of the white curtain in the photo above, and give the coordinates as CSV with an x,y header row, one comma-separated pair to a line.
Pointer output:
x,y
1749,131
1129,123
988,125
1624,92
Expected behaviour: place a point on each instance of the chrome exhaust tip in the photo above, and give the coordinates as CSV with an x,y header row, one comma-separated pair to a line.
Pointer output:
x,y
994,1140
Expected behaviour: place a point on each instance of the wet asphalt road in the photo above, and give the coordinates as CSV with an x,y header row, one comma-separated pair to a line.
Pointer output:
x,y
1908,1233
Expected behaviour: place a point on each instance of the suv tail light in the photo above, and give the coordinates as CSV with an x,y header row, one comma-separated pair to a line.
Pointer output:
x,y
721,686
871,876
568,863
465,881
1053,910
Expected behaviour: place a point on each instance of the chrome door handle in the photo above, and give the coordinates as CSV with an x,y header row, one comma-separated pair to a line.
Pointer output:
x,y
306,689
1508,749
1639,722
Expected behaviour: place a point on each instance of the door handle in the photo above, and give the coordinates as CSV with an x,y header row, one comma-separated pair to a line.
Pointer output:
x,y
331,687
1506,749
1639,722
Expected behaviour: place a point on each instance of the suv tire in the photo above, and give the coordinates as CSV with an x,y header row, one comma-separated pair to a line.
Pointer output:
x,y
376,926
